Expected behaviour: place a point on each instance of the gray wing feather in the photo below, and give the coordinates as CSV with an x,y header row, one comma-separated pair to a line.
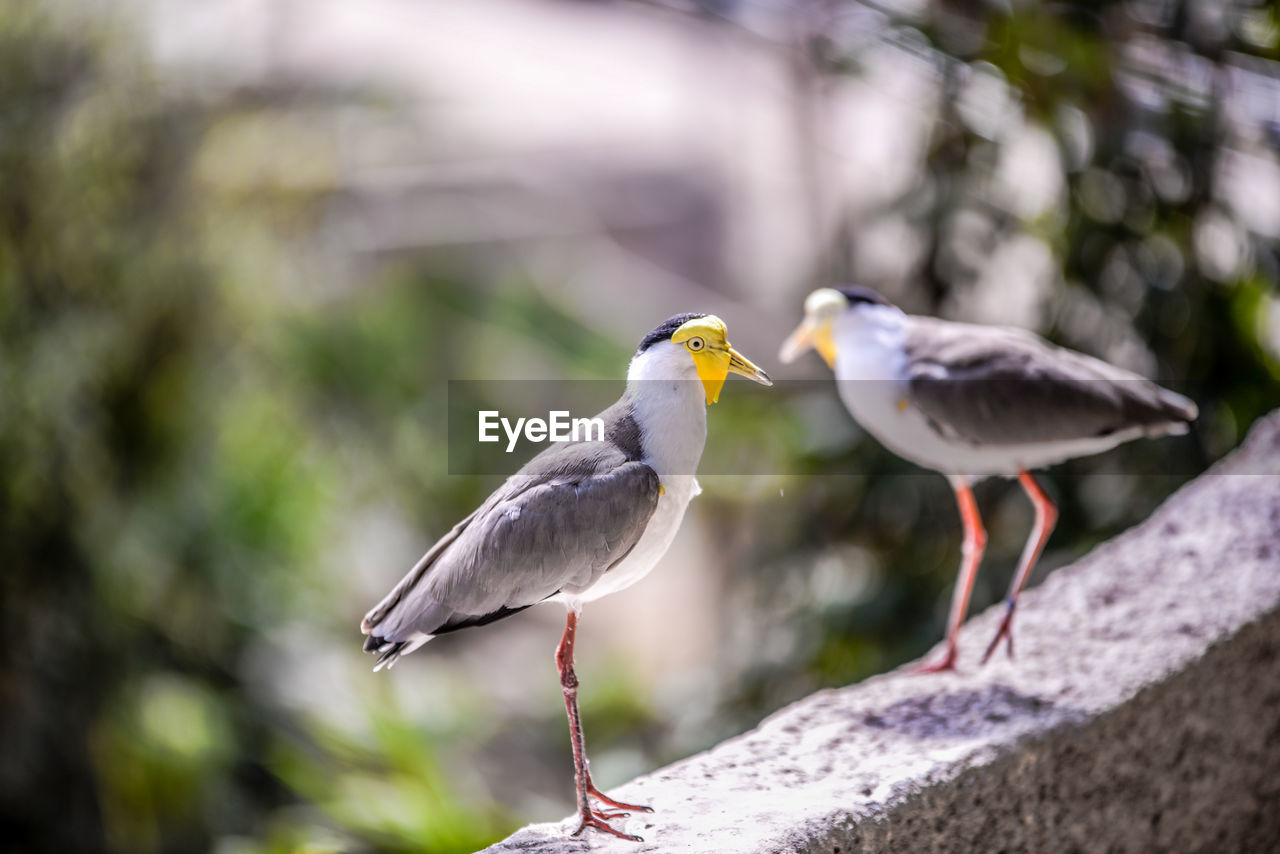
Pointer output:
x,y
379,612
1007,386
558,524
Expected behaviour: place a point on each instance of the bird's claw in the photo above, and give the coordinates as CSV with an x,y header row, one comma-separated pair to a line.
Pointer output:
x,y
608,801
600,821
943,665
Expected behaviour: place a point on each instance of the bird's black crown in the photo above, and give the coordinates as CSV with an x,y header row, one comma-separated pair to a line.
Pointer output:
x,y
666,329
857,294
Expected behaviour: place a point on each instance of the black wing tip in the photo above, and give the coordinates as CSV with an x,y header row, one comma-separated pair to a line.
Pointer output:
x,y
1170,414
1179,411
466,621
1189,411
1183,418
388,652
390,655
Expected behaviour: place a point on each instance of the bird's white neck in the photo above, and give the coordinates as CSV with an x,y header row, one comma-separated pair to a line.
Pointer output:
x,y
869,343
670,407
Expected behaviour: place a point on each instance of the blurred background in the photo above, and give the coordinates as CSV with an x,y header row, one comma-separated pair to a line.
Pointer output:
x,y
244,246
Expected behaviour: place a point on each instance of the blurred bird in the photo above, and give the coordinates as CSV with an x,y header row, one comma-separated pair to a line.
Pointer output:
x,y
578,521
975,401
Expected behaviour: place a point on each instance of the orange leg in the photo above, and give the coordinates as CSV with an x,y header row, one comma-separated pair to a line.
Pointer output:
x,y
588,817
1046,518
975,541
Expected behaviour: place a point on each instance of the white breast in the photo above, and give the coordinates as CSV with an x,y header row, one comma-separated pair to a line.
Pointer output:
x,y
670,407
871,377
655,541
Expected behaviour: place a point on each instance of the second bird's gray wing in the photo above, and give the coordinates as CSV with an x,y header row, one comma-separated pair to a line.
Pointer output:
x,y
558,524
990,385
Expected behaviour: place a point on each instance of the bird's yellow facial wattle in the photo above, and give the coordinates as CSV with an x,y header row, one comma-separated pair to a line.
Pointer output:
x,y
706,340
815,331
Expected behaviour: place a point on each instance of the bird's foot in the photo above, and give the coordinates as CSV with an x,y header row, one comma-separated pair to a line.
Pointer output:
x,y
600,821
1005,631
942,665
603,798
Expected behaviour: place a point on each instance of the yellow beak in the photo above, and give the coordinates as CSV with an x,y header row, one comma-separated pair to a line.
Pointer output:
x,y
810,335
714,364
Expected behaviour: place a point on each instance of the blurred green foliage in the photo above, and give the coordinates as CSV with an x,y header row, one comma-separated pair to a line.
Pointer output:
x,y
163,483
186,426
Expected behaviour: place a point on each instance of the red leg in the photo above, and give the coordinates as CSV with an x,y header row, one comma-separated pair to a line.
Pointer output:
x,y
1046,518
587,816
975,541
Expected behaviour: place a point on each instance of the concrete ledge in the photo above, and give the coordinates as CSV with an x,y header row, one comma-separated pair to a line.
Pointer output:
x,y
1141,714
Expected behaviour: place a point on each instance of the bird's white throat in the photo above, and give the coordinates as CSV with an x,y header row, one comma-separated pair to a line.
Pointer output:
x,y
869,343
670,408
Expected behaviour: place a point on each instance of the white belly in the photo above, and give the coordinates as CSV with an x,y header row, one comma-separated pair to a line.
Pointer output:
x,y
884,411
653,544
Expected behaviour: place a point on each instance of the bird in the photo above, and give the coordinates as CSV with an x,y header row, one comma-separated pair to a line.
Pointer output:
x,y
580,520
973,401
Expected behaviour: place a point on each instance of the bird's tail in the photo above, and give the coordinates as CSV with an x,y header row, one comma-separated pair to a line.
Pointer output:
x,y
1178,410
389,652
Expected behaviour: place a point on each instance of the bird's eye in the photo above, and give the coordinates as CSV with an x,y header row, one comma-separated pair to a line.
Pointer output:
x,y
695,344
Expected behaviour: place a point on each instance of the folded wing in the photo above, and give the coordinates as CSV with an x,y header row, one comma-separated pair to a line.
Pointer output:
x,y
558,524
1005,386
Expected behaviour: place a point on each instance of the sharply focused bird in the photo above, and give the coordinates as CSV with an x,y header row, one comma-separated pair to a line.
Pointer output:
x,y
580,520
975,401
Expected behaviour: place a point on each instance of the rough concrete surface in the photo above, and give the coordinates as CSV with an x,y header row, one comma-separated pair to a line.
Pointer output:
x,y
1142,713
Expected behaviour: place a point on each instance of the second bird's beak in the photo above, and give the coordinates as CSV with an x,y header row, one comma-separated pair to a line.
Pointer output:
x,y
810,334
714,364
